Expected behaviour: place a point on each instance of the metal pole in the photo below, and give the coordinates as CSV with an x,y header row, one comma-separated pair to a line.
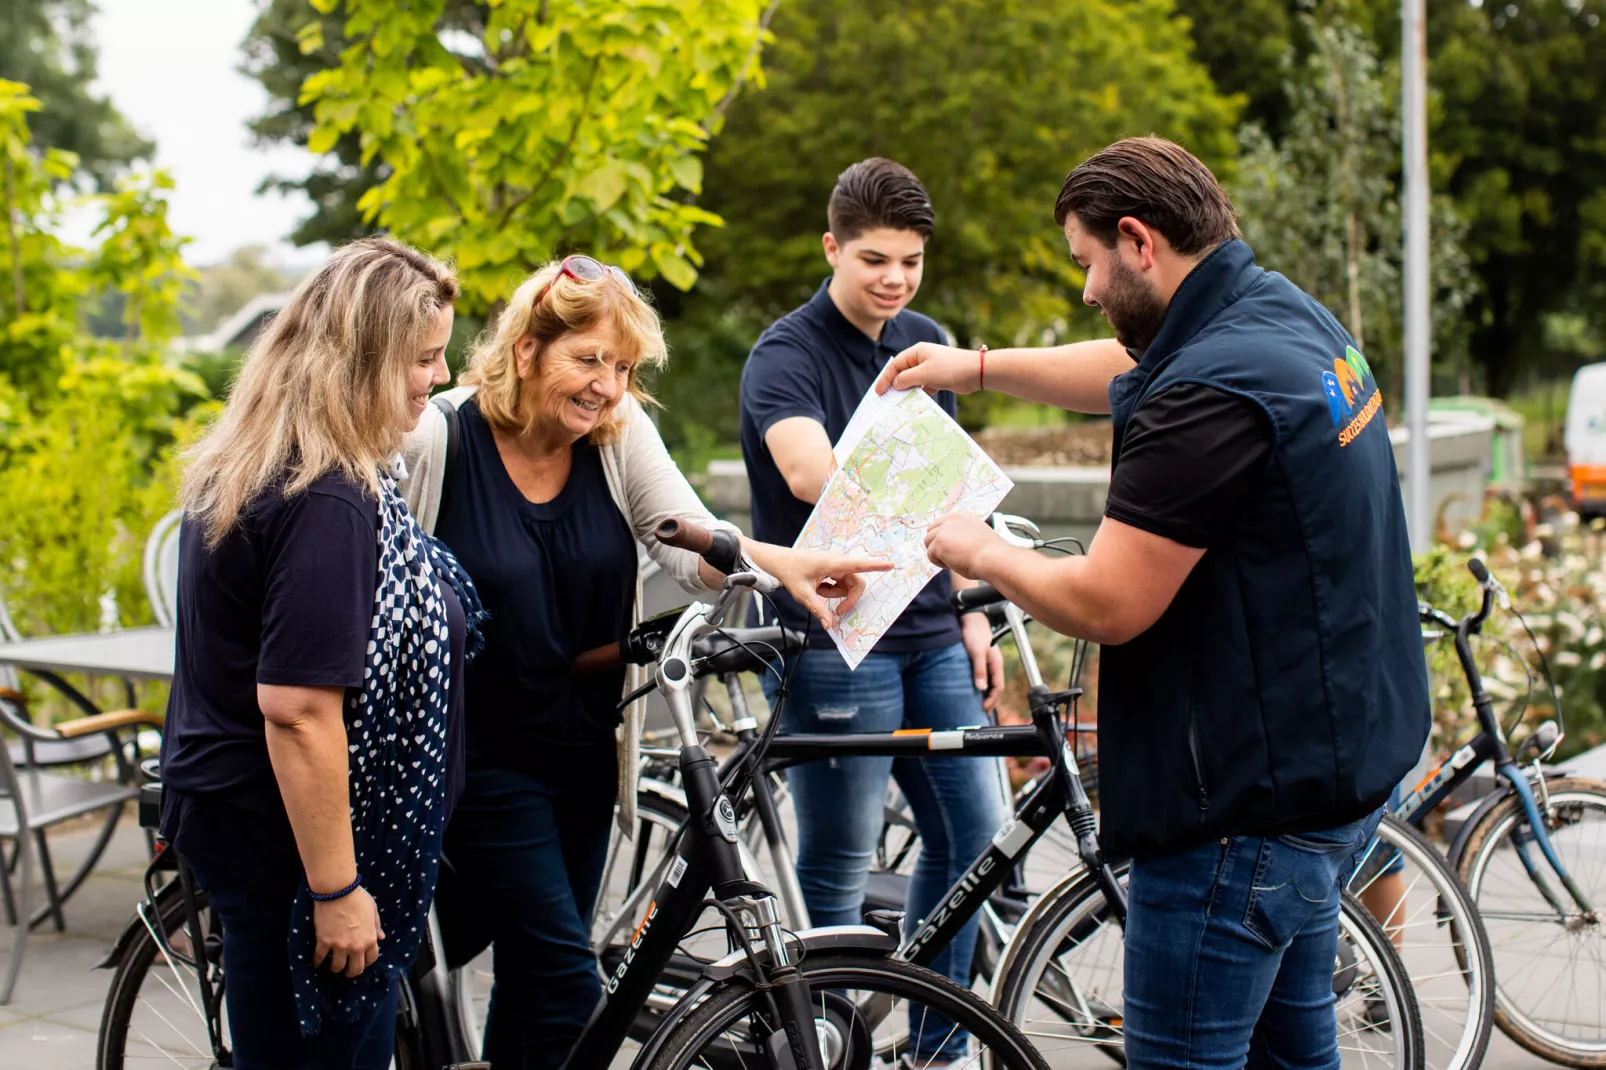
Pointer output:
x,y
1418,336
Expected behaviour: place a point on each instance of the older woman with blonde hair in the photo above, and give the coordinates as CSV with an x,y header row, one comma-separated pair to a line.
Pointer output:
x,y
320,637
555,477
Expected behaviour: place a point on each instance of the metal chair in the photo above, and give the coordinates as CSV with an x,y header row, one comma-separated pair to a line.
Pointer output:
x,y
34,799
161,568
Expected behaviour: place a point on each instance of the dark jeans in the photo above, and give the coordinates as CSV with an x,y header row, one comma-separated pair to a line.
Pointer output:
x,y
525,852
251,870
1230,948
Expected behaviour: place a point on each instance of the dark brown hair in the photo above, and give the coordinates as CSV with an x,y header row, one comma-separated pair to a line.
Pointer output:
x,y
1153,180
878,193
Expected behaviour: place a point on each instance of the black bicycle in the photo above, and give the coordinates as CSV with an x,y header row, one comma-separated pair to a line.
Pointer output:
x,y
819,999
1532,856
1059,978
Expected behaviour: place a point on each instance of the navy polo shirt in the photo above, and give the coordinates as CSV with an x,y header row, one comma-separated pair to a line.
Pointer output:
x,y
813,362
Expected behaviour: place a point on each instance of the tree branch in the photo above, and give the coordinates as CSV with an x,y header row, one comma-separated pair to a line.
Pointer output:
x,y
574,132
747,65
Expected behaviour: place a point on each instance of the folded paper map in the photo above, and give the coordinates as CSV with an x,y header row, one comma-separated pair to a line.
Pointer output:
x,y
901,463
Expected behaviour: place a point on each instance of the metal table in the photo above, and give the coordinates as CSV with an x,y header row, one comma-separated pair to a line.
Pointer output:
x,y
134,654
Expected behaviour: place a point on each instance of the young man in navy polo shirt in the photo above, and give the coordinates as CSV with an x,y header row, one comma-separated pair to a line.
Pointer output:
x,y
803,380
1261,680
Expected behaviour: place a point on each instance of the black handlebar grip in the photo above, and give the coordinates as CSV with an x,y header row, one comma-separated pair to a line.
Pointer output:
x,y
978,597
1479,570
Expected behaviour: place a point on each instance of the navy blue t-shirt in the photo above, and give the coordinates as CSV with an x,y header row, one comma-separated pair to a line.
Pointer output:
x,y
557,578
813,362
286,598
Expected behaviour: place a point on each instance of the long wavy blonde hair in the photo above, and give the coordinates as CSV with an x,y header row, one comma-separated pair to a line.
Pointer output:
x,y
570,306
324,386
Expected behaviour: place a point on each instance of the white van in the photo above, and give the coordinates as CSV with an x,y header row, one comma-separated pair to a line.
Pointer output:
x,y
1585,440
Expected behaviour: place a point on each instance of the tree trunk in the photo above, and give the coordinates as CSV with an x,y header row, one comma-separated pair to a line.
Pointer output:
x,y
1352,256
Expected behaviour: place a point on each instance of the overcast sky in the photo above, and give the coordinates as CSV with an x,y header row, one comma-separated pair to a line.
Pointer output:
x,y
170,66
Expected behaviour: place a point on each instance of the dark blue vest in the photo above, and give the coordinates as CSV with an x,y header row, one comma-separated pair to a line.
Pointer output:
x,y
1284,689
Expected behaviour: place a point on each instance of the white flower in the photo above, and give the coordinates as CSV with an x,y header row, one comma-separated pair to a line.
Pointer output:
x,y
1568,659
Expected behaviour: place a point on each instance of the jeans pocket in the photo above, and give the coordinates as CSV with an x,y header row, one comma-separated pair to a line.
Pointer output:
x,y
1292,882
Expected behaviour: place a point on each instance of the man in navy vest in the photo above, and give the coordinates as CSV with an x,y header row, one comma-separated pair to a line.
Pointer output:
x,y
1261,680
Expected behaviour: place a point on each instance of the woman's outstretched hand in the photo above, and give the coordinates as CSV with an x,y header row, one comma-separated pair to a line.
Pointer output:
x,y
814,576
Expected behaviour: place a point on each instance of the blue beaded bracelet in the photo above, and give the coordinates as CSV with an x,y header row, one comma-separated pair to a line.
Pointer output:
x,y
347,890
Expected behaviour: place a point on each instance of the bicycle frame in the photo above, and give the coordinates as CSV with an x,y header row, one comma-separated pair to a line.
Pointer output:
x,y
1489,745
704,857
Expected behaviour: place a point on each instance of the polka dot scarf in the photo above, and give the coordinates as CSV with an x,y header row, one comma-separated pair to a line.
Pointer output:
x,y
396,741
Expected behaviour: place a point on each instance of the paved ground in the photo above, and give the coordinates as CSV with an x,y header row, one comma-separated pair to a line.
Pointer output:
x,y
55,1012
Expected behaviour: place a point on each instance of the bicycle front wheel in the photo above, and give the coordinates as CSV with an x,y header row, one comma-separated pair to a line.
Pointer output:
x,y
1550,964
1061,983
865,1007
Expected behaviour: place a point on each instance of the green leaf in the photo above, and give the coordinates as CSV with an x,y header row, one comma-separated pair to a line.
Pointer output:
x,y
688,173
676,270
322,139
604,186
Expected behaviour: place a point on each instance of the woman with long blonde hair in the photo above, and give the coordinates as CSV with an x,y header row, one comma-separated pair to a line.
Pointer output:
x,y
311,739
556,478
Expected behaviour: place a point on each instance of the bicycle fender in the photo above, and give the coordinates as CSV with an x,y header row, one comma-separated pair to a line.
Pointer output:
x,y
1071,886
1487,803
125,939
682,1007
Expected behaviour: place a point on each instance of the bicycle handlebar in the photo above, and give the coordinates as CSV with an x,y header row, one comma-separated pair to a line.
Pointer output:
x,y
720,548
971,599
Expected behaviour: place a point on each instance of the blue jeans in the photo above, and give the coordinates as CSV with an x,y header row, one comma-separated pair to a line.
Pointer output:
x,y
249,866
1230,948
526,851
958,803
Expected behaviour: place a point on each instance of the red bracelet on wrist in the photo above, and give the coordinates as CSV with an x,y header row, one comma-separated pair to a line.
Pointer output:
x,y
981,374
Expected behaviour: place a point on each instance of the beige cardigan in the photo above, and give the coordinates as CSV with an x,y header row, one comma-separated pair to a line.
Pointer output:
x,y
647,488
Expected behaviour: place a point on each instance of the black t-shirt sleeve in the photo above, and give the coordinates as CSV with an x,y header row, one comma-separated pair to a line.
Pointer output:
x,y
781,381
321,571
1192,456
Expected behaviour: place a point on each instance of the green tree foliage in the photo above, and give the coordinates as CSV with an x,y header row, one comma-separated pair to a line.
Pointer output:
x,y
46,45
1321,205
573,124
84,421
990,102
1519,138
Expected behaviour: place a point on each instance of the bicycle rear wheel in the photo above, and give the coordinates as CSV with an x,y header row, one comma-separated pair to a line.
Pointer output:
x,y
1441,941
864,1004
1550,966
153,1013
1061,983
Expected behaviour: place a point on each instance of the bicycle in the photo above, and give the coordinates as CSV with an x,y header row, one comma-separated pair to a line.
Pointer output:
x,y
809,1000
1370,976
1493,855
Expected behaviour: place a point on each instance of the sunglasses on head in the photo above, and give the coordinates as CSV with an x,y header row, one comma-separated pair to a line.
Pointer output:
x,y
582,268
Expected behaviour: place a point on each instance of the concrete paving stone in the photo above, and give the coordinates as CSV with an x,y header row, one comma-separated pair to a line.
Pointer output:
x,y
58,974
34,1043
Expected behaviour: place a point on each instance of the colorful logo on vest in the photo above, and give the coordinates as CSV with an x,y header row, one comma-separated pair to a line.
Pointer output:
x,y
1345,387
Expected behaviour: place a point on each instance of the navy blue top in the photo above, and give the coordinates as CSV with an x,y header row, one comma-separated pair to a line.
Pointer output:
x,y
1283,690
286,598
556,578
813,362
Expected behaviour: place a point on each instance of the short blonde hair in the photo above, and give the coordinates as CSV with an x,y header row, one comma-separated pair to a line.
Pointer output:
x,y
323,387
569,306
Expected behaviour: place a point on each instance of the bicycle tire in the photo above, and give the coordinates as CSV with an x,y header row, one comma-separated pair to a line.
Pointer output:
x,y
117,1020
1457,1011
1092,1013
694,1036
1489,888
